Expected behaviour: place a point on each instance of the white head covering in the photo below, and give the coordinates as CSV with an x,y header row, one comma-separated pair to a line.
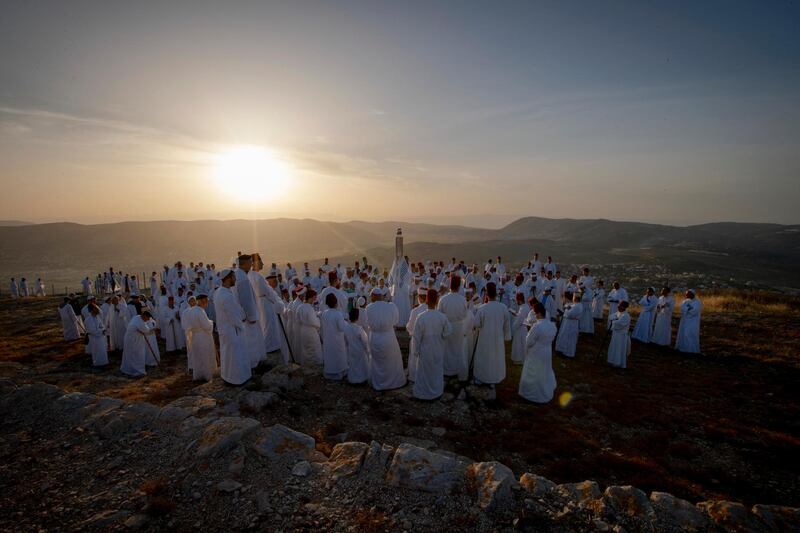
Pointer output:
x,y
225,272
377,291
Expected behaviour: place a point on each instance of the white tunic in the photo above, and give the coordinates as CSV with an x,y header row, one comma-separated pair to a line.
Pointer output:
x,y
454,307
253,336
234,360
430,331
334,349
172,328
494,328
620,346
358,359
662,332
538,381
117,321
518,334
134,354
598,303
386,369
97,340
307,327
412,353
688,338
567,339
201,352
615,296
72,327
644,324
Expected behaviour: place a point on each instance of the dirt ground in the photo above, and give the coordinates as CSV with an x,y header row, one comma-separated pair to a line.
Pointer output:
x,y
725,424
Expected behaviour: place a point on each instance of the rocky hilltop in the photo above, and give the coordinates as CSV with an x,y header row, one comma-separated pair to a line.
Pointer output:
x,y
76,461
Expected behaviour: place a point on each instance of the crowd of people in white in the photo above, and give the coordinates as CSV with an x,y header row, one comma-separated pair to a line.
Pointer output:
x,y
22,289
344,319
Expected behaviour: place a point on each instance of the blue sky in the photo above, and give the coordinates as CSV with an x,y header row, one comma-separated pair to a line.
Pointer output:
x,y
677,112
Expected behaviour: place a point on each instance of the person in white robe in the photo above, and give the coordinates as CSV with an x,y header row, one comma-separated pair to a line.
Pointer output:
x,y
399,281
493,326
334,349
116,322
293,329
620,346
171,325
519,330
431,330
567,339
599,300
561,285
200,340
137,345
14,288
538,381
586,322
662,332
422,295
269,306
688,337
95,330
307,326
39,288
70,323
24,292
643,330
616,295
153,285
358,358
335,287
386,368
454,306
86,284
234,359
253,334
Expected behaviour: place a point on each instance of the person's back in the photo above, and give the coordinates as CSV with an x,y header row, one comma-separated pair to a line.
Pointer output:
x,y
334,349
430,331
537,381
358,359
386,371
688,337
454,307
494,327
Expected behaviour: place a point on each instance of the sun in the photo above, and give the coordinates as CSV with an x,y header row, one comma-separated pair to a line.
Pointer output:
x,y
251,173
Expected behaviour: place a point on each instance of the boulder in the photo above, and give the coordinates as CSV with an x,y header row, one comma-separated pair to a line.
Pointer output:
x,y
301,469
228,485
376,459
732,516
492,482
225,433
176,412
675,514
28,399
193,426
536,485
277,441
131,417
71,404
778,517
283,378
579,492
420,469
255,400
346,458
96,411
626,505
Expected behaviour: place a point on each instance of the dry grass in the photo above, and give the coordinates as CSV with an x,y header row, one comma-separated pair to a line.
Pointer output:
x,y
749,302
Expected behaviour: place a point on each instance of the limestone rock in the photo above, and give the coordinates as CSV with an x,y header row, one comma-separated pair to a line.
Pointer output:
x,y
175,412
377,458
95,411
536,485
731,515
131,417
579,492
438,431
228,485
627,505
256,400
420,469
675,514
283,378
347,457
778,518
279,440
224,433
301,469
492,481
70,405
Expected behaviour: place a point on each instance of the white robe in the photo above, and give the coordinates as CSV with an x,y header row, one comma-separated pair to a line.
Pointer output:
x,y
494,328
615,296
152,356
644,324
14,288
172,331
334,349
358,358
412,352
234,360
72,327
518,334
688,337
117,321
538,381
307,326
253,335
430,333
567,339
662,332
97,340
454,307
136,348
586,321
598,303
402,299
620,346
200,349
386,369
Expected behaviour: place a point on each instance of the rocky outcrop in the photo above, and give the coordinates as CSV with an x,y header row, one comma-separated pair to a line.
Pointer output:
x,y
204,460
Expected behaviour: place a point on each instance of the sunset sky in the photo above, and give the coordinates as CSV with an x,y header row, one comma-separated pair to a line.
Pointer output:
x,y
475,113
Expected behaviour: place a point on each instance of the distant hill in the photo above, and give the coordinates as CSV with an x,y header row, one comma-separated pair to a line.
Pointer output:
x,y
14,223
66,251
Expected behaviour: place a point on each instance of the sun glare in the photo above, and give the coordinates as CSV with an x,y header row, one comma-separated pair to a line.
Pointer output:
x,y
251,173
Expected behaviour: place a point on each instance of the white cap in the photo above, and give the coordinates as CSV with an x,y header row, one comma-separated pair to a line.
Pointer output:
x,y
377,291
225,272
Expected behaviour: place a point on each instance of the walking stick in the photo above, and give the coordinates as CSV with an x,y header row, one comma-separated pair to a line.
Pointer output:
x,y
471,371
291,353
147,342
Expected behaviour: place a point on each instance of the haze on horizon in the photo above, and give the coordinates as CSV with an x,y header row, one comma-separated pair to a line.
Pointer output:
x,y
456,112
